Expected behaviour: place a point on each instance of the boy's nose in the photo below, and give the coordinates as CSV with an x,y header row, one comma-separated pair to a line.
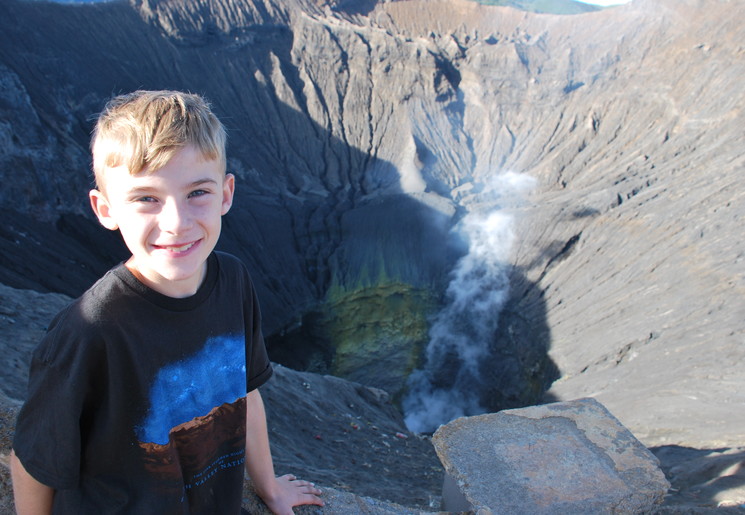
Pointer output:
x,y
173,217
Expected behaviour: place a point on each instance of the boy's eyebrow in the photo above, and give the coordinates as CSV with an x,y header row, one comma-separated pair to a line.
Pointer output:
x,y
199,182
193,184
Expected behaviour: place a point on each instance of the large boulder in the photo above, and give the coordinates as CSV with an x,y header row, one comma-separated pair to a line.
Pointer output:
x,y
569,457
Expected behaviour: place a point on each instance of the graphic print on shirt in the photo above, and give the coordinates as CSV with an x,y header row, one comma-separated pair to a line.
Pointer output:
x,y
195,425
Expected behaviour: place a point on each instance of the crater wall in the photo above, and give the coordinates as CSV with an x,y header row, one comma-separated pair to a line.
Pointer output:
x,y
360,134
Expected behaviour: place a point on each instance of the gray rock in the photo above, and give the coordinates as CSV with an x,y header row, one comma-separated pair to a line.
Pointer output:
x,y
569,457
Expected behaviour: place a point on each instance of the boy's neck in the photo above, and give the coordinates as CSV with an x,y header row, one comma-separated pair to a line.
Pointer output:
x,y
170,288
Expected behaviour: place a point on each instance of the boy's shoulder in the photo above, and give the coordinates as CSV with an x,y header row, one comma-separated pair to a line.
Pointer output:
x,y
226,257
97,297
101,301
82,319
231,266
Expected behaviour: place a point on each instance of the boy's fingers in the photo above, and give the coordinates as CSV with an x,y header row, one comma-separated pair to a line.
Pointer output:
x,y
307,489
317,501
311,488
307,486
299,482
314,498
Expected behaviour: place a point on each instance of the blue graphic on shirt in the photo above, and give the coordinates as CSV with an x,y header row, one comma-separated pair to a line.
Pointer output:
x,y
193,387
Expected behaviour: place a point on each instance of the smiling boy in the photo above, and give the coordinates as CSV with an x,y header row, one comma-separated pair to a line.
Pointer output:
x,y
169,220
143,394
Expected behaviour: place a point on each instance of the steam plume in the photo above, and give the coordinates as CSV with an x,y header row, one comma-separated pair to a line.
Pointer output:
x,y
449,384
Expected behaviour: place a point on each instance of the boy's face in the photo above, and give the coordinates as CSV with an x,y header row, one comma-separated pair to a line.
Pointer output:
x,y
170,219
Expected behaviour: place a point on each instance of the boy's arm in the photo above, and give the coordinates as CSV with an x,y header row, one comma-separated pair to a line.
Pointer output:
x,y
279,493
31,497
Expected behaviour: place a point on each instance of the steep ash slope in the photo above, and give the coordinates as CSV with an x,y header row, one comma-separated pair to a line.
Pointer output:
x,y
645,304
360,133
632,122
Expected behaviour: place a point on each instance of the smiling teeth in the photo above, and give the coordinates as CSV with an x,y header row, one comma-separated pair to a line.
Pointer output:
x,y
183,248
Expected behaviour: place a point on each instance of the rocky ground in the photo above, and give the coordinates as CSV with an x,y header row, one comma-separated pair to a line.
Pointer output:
x,y
348,437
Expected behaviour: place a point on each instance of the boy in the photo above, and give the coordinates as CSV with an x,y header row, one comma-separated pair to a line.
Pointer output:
x,y
143,394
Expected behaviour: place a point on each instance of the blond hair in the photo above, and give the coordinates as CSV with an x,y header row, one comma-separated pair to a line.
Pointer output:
x,y
143,130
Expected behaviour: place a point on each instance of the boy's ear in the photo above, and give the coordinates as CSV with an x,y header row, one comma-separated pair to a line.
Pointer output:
x,y
102,209
228,189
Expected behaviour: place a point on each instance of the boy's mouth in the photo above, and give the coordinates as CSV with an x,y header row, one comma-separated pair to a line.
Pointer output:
x,y
179,249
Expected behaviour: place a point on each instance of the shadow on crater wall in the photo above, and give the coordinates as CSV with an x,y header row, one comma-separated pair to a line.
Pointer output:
x,y
325,229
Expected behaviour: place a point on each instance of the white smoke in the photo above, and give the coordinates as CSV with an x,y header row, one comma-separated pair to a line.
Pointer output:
x,y
449,384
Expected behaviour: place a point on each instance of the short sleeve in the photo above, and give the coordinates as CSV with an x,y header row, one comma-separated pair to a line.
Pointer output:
x,y
48,430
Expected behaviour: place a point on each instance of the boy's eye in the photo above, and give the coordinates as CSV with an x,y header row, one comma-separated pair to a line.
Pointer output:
x,y
198,193
146,199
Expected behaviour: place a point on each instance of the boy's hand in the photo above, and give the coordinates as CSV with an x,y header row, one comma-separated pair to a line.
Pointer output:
x,y
279,493
291,492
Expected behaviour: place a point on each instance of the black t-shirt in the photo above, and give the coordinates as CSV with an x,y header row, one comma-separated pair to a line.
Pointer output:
x,y
136,400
